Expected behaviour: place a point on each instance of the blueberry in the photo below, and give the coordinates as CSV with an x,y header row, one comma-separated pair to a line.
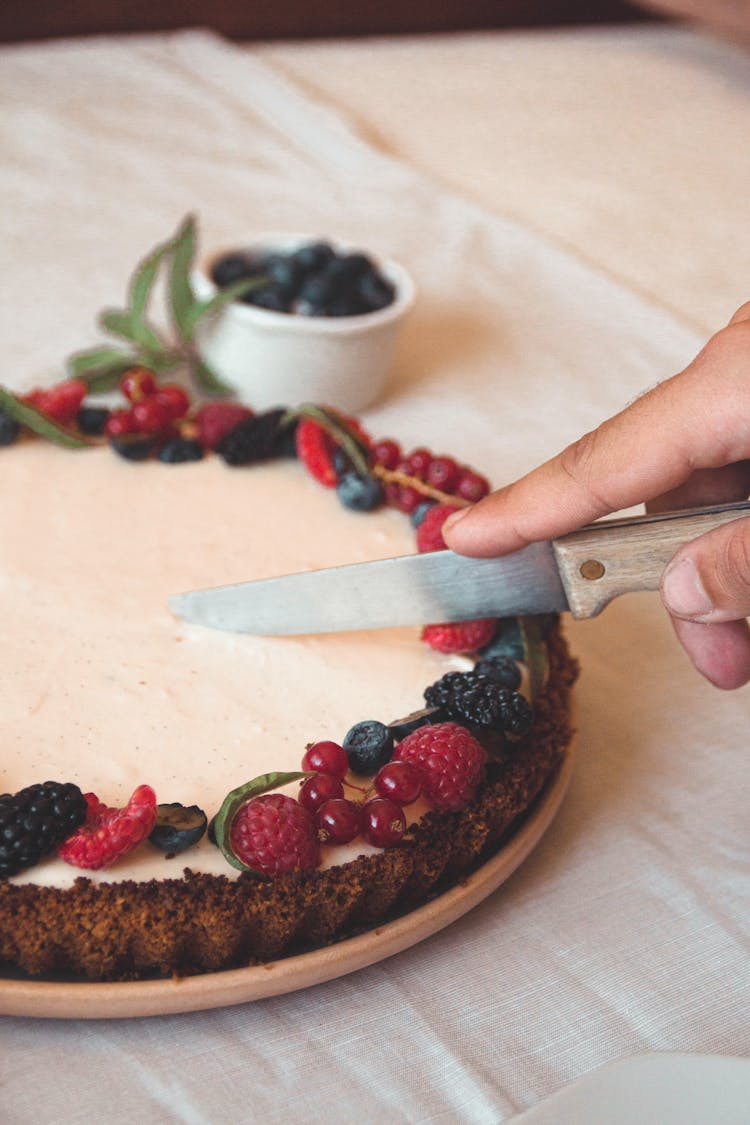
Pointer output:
x,y
368,746
274,297
362,494
177,827
91,420
181,449
233,267
314,256
506,642
349,268
346,304
134,448
317,291
400,728
284,270
9,429
420,512
502,669
374,291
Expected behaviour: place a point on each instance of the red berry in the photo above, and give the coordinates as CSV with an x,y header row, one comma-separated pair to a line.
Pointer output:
x,y
471,486
316,450
386,453
429,532
399,781
138,383
383,822
443,473
216,419
109,833
63,401
460,636
273,833
339,821
418,462
326,757
174,399
315,791
119,423
150,416
408,499
449,761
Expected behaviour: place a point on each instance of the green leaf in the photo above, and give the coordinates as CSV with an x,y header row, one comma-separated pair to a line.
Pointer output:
x,y
201,309
534,652
181,296
234,801
208,380
98,361
338,429
38,423
144,277
126,323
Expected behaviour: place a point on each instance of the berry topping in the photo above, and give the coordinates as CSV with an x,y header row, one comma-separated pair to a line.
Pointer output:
x,y
177,827
420,512
119,423
429,532
149,416
273,833
35,820
107,834
368,746
478,699
460,636
180,449
471,486
502,669
9,429
315,791
61,402
399,728
398,780
216,419
326,757
138,384
255,439
386,453
134,447
339,821
449,761
417,463
174,401
443,473
91,420
316,450
383,822
361,494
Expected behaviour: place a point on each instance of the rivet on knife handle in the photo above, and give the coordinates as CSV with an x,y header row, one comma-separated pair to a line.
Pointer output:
x,y
613,557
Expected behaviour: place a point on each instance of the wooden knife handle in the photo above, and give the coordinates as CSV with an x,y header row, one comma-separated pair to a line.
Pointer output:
x,y
613,557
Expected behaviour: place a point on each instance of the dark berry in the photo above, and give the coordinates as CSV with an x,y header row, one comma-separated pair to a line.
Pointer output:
x,y
374,291
181,449
274,298
476,699
326,757
383,822
177,827
314,256
284,270
506,642
339,821
400,781
420,512
9,429
316,790
255,439
233,267
91,420
400,728
368,746
502,669
362,494
35,820
133,448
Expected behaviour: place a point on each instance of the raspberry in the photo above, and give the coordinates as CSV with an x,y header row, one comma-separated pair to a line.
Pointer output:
x,y
449,761
460,636
216,419
110,833
35,820
62,402
429,532
316,450
273,834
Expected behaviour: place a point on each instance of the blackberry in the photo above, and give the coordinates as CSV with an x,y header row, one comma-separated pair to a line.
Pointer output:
x,y
477,699
361,494
177,827
91,420
368,746
9,429
35,820
502,669
181,449
256,439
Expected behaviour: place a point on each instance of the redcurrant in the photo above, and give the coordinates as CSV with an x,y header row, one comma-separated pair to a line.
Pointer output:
x,y
418,462
150,416
138,383
471,486
315,791
383,822
339,821
399,781
443,473
174,399
326,757
386,453
120,422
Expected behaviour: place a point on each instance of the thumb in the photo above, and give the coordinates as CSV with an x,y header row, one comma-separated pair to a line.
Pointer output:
x,y
708,580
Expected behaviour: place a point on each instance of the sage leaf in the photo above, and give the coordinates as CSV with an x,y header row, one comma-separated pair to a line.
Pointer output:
x,y
125,323
145,275
27,415
234,801
225,296
98,361
181,296
207,379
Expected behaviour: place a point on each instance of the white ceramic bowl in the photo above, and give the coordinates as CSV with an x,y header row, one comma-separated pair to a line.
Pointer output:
x,y
285,359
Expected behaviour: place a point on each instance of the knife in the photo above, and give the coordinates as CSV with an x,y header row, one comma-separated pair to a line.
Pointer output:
x,y
580,572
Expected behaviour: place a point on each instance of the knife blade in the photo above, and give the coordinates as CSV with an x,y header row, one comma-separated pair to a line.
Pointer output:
x,y
580,572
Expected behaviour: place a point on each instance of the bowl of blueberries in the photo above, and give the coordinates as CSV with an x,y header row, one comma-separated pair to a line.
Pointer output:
x,y
318,322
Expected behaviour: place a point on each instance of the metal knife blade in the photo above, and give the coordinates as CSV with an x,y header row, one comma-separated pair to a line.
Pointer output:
x,y
581,572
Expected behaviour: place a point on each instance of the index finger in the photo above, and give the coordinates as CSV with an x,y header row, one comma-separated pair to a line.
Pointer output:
x,y
699,419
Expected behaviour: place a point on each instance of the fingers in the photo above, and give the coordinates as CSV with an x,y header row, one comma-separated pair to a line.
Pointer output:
x,y
720,652
709,579
699,419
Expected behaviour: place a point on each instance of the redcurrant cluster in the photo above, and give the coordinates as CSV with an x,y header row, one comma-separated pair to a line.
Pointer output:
x,y
379,818
439,473
154,408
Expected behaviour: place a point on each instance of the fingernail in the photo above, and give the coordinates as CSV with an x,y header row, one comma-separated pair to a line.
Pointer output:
x,y
683,591
454,517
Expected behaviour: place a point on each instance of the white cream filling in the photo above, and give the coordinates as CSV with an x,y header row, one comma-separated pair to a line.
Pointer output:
x,y
101,685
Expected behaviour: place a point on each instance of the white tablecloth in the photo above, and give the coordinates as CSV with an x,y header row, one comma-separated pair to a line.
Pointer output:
x,y
627,929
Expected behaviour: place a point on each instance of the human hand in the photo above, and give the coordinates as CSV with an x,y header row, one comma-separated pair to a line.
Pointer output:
x,y
683,444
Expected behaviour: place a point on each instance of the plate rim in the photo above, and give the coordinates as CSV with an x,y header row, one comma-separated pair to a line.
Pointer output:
x,y
204,991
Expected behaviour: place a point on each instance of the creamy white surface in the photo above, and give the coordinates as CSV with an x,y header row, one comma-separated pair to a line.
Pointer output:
x,y
103,686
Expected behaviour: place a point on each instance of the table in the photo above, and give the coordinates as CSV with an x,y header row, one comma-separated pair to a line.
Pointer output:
x,y
611,164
